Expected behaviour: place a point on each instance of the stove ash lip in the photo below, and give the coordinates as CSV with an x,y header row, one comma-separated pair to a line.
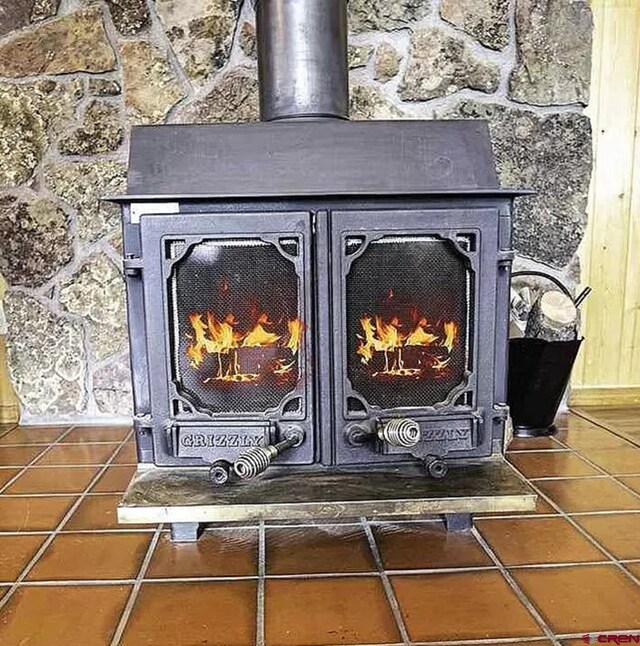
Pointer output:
x,y
302,59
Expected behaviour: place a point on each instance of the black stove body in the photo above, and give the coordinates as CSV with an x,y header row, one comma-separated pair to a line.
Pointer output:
x,y
317,294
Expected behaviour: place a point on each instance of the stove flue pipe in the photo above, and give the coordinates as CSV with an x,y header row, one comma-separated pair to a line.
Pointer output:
x,y
302,59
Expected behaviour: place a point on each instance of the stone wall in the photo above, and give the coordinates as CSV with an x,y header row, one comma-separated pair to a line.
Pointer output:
x,y
76,74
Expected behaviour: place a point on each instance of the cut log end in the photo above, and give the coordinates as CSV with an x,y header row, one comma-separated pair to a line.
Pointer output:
x,y
553,317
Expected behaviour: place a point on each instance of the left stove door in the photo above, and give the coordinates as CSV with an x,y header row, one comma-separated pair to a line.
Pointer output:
x,y
229,324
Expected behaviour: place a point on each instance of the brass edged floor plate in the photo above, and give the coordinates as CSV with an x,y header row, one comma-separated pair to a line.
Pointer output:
x,y
182,495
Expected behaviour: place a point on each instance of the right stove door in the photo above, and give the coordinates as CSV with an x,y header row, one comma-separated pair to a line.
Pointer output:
x,y
408,326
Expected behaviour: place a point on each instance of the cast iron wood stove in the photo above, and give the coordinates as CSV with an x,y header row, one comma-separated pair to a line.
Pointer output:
x,y
310,293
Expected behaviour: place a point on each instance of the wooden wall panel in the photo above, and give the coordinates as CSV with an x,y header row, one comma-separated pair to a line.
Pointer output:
x,y
610,252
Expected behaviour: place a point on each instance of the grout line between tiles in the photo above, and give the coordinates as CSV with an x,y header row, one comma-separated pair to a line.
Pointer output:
x,y
62,532
516,588
58,494
45,545
260,592
313,575
5,431
583,531
600,476
482,642
388,588
22,445
75,582
560,449
60,465
23,469
126,613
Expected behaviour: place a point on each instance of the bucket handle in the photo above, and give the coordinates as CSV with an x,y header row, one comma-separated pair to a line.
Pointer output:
x,y
549,277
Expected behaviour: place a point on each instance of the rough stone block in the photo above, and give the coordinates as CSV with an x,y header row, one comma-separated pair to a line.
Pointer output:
x,y
35,242
554,52
551,154
74,43
440,64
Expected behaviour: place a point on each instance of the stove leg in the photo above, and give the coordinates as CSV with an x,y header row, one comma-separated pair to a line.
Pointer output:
x,y
458,522
185,532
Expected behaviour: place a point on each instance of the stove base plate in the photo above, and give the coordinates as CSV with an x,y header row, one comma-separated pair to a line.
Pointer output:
x,y
186,495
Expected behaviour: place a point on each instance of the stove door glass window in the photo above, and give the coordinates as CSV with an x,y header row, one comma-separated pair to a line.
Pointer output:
x,y
237,329
408,307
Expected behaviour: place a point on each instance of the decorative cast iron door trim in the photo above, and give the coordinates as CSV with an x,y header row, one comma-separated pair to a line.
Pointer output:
x,y
227,342
428,340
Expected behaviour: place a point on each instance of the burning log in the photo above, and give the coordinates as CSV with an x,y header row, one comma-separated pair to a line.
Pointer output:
x,y
553,317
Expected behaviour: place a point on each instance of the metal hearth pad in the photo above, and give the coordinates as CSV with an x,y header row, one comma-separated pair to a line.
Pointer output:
x,y
181,495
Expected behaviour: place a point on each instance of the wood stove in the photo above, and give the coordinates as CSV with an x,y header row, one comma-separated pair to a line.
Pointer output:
x,y
312,293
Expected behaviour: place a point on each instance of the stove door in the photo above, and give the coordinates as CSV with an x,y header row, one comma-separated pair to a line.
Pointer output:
x,y
414,319
228,333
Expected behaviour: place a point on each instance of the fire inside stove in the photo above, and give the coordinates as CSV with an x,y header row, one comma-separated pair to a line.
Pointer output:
x,y
394,348
238,325
240,357
408,306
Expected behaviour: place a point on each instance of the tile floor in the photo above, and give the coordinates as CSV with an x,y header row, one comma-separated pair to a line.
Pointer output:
x,y
70,575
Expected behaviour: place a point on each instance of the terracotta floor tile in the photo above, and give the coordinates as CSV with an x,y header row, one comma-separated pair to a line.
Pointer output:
x,y
127,454
98,512
91,556
337,610
97,434
584,435
229,552
33,435
18,514
329,548
618,533
580,599
616,461
427,545
53,480
532,444
115,479
624,420
633,482
595,494
78,454
528,541
15,553
63,615
6,473
186,614
550,464
18,456
465,605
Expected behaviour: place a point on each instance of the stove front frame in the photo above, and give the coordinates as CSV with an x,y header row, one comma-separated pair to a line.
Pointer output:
x,y
488,213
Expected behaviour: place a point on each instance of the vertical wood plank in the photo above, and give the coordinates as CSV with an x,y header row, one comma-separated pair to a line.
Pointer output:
x,y
579,375
630,341
610,314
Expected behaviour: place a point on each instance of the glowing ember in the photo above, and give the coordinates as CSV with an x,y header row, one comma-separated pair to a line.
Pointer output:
x,y
265,350
393,341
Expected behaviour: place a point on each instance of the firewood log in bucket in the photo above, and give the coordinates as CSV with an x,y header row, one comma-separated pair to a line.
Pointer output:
x,y
553,317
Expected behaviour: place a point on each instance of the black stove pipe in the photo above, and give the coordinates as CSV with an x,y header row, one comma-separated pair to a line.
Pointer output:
x,y
302,59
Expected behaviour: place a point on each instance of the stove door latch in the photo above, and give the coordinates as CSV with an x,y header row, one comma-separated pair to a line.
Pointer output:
x,y
399,432
255,460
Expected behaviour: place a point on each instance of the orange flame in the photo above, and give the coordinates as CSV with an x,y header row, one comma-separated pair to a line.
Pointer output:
x,y
222,338
388,338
